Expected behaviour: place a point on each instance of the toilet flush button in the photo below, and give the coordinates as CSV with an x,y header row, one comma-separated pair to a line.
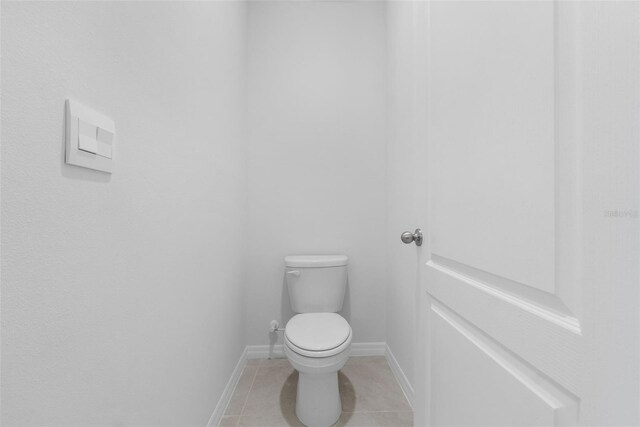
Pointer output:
x,y
295,273
89,137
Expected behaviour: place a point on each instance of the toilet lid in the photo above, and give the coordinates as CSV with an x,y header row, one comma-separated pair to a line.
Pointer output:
x,y
317,331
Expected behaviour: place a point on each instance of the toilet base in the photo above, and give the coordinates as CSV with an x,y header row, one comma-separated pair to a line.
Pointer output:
x,y
318,399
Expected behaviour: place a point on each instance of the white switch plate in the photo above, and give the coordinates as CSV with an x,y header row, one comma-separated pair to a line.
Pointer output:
x,y
90,137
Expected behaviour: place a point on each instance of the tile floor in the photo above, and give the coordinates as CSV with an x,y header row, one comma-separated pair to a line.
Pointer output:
x,y
266,394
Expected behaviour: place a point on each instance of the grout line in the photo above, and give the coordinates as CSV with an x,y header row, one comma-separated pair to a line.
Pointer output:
x,y
253,380
375,412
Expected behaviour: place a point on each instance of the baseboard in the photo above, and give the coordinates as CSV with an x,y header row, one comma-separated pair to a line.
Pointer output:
x,y
405,385
224,400
368,349
276,351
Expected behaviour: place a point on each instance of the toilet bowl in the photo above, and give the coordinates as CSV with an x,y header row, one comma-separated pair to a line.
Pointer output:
x,y
317,345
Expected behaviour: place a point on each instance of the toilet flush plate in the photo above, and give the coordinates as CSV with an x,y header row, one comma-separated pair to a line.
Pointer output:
x,y
89,137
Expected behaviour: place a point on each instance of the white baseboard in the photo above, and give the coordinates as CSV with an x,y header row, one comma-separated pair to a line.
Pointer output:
x,y
368,349
215,418
402,379
276,352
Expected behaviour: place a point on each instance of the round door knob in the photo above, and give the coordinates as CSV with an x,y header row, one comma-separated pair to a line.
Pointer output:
x,y
408,237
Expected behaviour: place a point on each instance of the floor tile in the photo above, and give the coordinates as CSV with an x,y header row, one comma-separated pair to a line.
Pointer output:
x,y
272,420
369,392
375,419
273,391
370,386
276,362
357,360
229,421
242,390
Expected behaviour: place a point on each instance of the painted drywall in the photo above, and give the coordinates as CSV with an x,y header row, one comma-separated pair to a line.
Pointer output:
x,y
406,182
122,294
317,123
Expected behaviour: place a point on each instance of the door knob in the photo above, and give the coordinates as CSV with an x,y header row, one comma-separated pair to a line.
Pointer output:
x,y
408,237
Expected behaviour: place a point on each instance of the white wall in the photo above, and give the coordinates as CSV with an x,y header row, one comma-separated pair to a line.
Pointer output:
x,y
406,183
122,294
317,153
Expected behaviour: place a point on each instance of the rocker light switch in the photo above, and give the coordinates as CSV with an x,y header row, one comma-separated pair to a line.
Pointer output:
x,y
87,137
88,144
105,143
90,138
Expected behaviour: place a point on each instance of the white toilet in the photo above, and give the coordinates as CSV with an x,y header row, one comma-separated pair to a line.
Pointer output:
x,y
317,340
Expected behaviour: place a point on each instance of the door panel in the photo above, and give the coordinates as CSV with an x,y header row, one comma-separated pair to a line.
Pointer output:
x,y
510,339
494,386
492,133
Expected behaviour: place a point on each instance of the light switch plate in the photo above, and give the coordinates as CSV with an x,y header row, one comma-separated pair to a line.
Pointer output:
x,y
90,137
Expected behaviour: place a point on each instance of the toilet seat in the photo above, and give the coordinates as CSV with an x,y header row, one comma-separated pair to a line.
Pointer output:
x,y
317,334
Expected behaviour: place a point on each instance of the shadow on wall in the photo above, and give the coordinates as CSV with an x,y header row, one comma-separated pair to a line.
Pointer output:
x,y
346,304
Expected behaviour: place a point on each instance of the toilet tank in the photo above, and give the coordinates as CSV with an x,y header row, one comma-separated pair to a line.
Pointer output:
x,y
316,283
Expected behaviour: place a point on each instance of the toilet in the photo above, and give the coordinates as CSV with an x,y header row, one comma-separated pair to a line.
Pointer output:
x,y
317,339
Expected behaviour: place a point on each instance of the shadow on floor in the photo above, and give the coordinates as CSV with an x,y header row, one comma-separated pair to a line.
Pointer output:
x,y
290,387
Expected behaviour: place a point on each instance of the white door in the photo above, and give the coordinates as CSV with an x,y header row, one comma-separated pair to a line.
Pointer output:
x,y
532,229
